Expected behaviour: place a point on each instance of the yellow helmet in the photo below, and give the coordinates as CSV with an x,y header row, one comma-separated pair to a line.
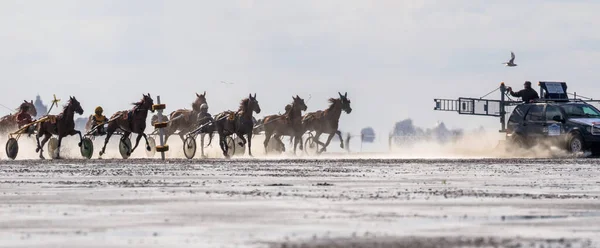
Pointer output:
x,y
98,110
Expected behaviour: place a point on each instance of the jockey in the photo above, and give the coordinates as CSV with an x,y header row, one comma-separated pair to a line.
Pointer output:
x,y
98,119
24,118
204,112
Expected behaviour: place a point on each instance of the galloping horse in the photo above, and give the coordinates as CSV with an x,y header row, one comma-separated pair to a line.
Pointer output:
x,y
288,124
185,120
130,121
61,125
8,123
327,121
240,123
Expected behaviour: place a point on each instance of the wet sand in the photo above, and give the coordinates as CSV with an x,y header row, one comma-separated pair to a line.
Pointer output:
x,y
300,203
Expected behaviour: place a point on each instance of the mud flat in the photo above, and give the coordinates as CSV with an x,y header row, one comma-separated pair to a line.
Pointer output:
x,y
301,203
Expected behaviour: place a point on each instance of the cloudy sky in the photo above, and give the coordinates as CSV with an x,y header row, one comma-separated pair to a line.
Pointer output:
x,y
392,57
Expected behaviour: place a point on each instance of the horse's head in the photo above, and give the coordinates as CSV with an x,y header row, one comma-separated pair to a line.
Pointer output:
x,y
345,103
200,99
146,103
299,103
29,106
75,105
253,104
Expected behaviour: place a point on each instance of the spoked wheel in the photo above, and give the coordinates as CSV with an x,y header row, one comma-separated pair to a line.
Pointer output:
x,y
152,144
231,146
189,147
87,148
311,148
12,148
53,148
125,147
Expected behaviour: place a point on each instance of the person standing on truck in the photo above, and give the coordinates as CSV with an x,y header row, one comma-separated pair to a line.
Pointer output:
x,y
527,94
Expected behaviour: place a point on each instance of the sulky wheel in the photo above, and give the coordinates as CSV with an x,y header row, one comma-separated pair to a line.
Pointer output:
x,y
311,148
12,148
231,146
125,147
152,144
87,148
53,147
189,147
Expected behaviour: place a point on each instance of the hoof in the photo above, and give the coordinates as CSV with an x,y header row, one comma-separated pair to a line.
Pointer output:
x,y
342,146
42,157
241,144
37,149
79,144
148,148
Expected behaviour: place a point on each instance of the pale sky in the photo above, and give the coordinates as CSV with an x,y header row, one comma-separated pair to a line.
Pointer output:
x,y
392,57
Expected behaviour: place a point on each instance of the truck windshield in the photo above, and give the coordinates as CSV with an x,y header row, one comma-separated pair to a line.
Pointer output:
x,y
580,110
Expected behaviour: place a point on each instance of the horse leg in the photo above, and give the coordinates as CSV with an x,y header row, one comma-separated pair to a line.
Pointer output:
x,y
80,136
243,142
316,139
250,143
327,143
266,142
341,139
37,138
223,145
296,140
277,138
47,136
202,145
109,132
60,137
137,142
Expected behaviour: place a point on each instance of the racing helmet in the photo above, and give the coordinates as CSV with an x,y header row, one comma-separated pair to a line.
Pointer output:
x,y
98,110
204,106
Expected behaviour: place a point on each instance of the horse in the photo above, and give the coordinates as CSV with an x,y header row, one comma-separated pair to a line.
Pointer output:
x,y
8,123
131,121
240,123
61,125
288,124
327,121
185,120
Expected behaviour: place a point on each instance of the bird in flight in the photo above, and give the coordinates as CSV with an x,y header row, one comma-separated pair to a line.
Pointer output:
x,y
223,82
511,62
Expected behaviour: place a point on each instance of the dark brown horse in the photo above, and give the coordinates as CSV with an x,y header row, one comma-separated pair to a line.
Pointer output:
x,y
239,123
288,124
131,121
9,124
185,120
326,121
61,125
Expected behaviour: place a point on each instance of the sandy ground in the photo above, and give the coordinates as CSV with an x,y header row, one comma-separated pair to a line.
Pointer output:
x,y
300,203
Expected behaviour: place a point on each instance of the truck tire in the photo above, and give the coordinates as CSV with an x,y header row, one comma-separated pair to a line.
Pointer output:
x,y
575,143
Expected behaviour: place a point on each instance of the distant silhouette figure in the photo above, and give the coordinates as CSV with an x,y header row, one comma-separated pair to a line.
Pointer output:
x,y
511,62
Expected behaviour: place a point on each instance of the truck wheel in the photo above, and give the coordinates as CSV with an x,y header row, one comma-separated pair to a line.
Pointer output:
x,y
575,143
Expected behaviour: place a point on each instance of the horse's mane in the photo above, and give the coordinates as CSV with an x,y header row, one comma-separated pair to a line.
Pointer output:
x,y
333,101
243,104
139,103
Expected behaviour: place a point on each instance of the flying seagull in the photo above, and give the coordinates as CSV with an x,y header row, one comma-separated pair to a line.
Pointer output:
x,y
511,62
